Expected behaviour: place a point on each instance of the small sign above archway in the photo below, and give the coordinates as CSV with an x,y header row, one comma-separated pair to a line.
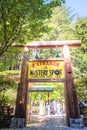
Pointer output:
x,y
41,89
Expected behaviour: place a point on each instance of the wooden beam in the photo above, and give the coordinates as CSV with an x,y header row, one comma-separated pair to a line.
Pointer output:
x,y
50,59
40,91
46,80
50,44
53,44
72,108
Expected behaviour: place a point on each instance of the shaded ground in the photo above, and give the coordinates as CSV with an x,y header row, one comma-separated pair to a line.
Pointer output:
x,y
36,120
52,122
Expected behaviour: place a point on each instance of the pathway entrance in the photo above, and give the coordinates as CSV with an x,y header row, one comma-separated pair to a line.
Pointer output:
x,y
45,103
40,70
47,120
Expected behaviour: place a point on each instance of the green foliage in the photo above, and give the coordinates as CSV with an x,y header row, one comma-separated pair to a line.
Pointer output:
x,y
8,89
79,56
9,72
7,98
81,30
60,24
11,60
22,20
3,103
57,94
3,99
6,83
81,86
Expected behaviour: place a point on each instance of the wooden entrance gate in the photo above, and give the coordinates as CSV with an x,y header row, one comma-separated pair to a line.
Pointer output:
x,y
72,109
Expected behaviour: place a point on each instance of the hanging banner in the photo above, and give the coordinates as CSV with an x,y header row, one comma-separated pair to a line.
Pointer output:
x,y
49,69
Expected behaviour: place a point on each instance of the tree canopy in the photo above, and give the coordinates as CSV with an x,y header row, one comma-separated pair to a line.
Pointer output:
x,y
60,24
21,20
80,55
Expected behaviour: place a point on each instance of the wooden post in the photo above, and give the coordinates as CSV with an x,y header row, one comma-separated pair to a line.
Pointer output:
x,y
48,98
20,111
48,103
28,108
72,109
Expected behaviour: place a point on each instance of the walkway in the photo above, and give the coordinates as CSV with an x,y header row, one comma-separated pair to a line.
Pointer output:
x,y
51,122
46,120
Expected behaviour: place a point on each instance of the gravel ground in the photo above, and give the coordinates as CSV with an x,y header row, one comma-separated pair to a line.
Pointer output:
x,y
50,127
47,123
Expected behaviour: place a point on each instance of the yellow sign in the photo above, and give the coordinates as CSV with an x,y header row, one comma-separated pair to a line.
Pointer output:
x,y
49,69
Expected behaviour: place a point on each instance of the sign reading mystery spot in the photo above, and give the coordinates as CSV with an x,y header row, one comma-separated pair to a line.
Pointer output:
x,y
49,69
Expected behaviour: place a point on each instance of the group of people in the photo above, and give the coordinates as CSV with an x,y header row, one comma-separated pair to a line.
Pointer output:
x,y
55,107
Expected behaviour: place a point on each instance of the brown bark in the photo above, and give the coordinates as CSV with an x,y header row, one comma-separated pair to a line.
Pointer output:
x,y
72,109
22,93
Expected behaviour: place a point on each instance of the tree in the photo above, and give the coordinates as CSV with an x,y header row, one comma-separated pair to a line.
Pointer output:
x,y
19,18
81,85
80,55
60,24
11,59
60,28
79,59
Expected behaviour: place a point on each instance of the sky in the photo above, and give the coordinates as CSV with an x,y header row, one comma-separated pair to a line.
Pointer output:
x,y
79,7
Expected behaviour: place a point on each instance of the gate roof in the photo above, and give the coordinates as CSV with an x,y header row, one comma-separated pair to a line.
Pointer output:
x,y
41,89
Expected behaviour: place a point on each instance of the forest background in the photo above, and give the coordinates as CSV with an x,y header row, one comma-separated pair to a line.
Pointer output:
x,y
22,22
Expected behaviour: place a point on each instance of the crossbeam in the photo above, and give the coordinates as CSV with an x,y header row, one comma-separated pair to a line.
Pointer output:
x,y
50,44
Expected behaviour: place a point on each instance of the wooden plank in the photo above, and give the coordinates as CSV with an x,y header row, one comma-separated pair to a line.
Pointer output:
x,y
46,80
50,44
40,91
